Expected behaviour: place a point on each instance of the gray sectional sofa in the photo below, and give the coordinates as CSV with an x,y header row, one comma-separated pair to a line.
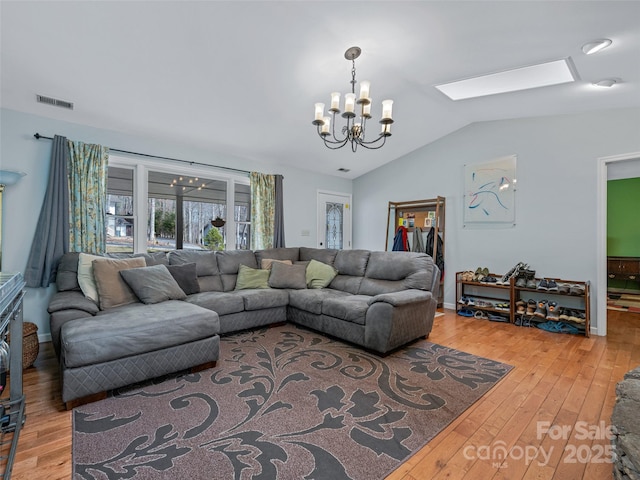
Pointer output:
x,y
378,300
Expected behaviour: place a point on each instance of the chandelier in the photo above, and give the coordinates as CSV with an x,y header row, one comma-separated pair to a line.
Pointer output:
x,y
353,132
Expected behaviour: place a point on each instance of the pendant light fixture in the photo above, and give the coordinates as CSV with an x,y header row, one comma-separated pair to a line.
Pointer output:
x,y
357,110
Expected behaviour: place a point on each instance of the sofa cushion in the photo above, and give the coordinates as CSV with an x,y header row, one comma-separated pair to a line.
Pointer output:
x,y
72,300
207,270
86,279
283,253
259,299
112,289
265,263
311,300
67,272
229,262
324,255
319,275
153,258
396,271
223,303
153,284
287,276
352,262
252,278
351,308
113,336
186,277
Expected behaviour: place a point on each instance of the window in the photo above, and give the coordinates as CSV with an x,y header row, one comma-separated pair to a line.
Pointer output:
x,y
188,210
120,219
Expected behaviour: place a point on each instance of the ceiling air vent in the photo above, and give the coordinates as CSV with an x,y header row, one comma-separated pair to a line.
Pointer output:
x,y
54,102
344,170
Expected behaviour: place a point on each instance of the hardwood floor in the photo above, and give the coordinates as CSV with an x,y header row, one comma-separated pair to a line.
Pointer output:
x,y
567,381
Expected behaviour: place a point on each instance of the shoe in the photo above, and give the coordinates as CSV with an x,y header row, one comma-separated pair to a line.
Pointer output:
x,y
531,283
464,300
552,312
477,276
543,285
563,288
552,286
498,318
521,281
576,290
531,307
511,273
563,314
521,306
541,310
465,312
480,315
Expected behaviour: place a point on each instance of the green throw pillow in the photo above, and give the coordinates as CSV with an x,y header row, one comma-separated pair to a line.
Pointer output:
x,y
319,275
252,278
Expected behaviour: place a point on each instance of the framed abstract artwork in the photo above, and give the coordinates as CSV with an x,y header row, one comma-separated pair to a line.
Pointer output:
x,y
489,192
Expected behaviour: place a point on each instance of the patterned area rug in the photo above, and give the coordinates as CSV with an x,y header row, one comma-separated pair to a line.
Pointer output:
x,y
283,403
625,302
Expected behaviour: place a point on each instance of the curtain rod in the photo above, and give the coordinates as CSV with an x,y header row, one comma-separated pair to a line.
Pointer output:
x,y
38,137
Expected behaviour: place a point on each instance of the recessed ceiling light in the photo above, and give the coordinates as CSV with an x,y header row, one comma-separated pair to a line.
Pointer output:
x,y
595,46
524,78
607,82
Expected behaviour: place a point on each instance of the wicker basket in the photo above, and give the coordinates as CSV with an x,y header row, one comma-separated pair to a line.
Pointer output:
x,y
30,344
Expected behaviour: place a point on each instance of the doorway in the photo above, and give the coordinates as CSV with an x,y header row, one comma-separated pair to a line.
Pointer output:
x,y
334,220
601,241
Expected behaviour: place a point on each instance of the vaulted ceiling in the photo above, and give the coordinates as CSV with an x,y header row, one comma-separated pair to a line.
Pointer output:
x,y
240,78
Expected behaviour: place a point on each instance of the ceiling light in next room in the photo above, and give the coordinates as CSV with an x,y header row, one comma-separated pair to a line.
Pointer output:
x,y
596,46
524,78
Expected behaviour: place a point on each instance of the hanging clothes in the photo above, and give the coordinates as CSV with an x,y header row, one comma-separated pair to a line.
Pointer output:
x,y
418,242
401,240
439,258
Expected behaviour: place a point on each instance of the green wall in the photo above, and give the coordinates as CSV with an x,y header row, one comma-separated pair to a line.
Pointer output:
x,y
623,217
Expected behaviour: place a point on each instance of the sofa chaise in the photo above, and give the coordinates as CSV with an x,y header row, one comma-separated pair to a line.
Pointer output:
x,y
172,307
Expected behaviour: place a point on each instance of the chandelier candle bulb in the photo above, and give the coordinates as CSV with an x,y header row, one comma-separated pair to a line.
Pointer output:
x,y
364,89
366,109
386,130
335,102
326,126
349,102
319,113
387,106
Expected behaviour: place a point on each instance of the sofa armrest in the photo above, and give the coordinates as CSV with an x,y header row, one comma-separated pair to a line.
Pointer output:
x,y
403,297
72,300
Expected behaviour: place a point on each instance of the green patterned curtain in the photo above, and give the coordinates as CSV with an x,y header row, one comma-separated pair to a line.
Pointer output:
x,y
263,207
87,197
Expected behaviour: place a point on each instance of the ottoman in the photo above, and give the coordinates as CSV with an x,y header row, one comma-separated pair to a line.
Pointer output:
x,y
117,349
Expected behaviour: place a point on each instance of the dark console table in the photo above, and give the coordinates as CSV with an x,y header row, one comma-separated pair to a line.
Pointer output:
x,y
624,268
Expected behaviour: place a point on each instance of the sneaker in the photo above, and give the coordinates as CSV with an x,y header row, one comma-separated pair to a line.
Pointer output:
x,y
531,283
521,281
531,307
511,273
541,310
552,311
552,286
563,314
576,290
563,288
543,285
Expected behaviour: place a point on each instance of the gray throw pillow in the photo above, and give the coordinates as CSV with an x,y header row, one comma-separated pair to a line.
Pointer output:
x,y
153,284
186,277
287,276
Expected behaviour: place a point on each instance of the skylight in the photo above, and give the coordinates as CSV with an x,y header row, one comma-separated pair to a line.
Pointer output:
x,y
524,78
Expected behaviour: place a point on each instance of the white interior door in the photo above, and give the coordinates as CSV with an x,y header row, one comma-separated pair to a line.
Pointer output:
x,y
334,220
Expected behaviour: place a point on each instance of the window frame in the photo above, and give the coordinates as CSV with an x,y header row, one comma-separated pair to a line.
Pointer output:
x,y
141,169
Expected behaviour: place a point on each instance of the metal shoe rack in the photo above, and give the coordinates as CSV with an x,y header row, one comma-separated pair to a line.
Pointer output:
x,y
488,295
12,408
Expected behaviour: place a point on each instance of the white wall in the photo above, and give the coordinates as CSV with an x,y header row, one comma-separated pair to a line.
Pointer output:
x,y
19,150
555,229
